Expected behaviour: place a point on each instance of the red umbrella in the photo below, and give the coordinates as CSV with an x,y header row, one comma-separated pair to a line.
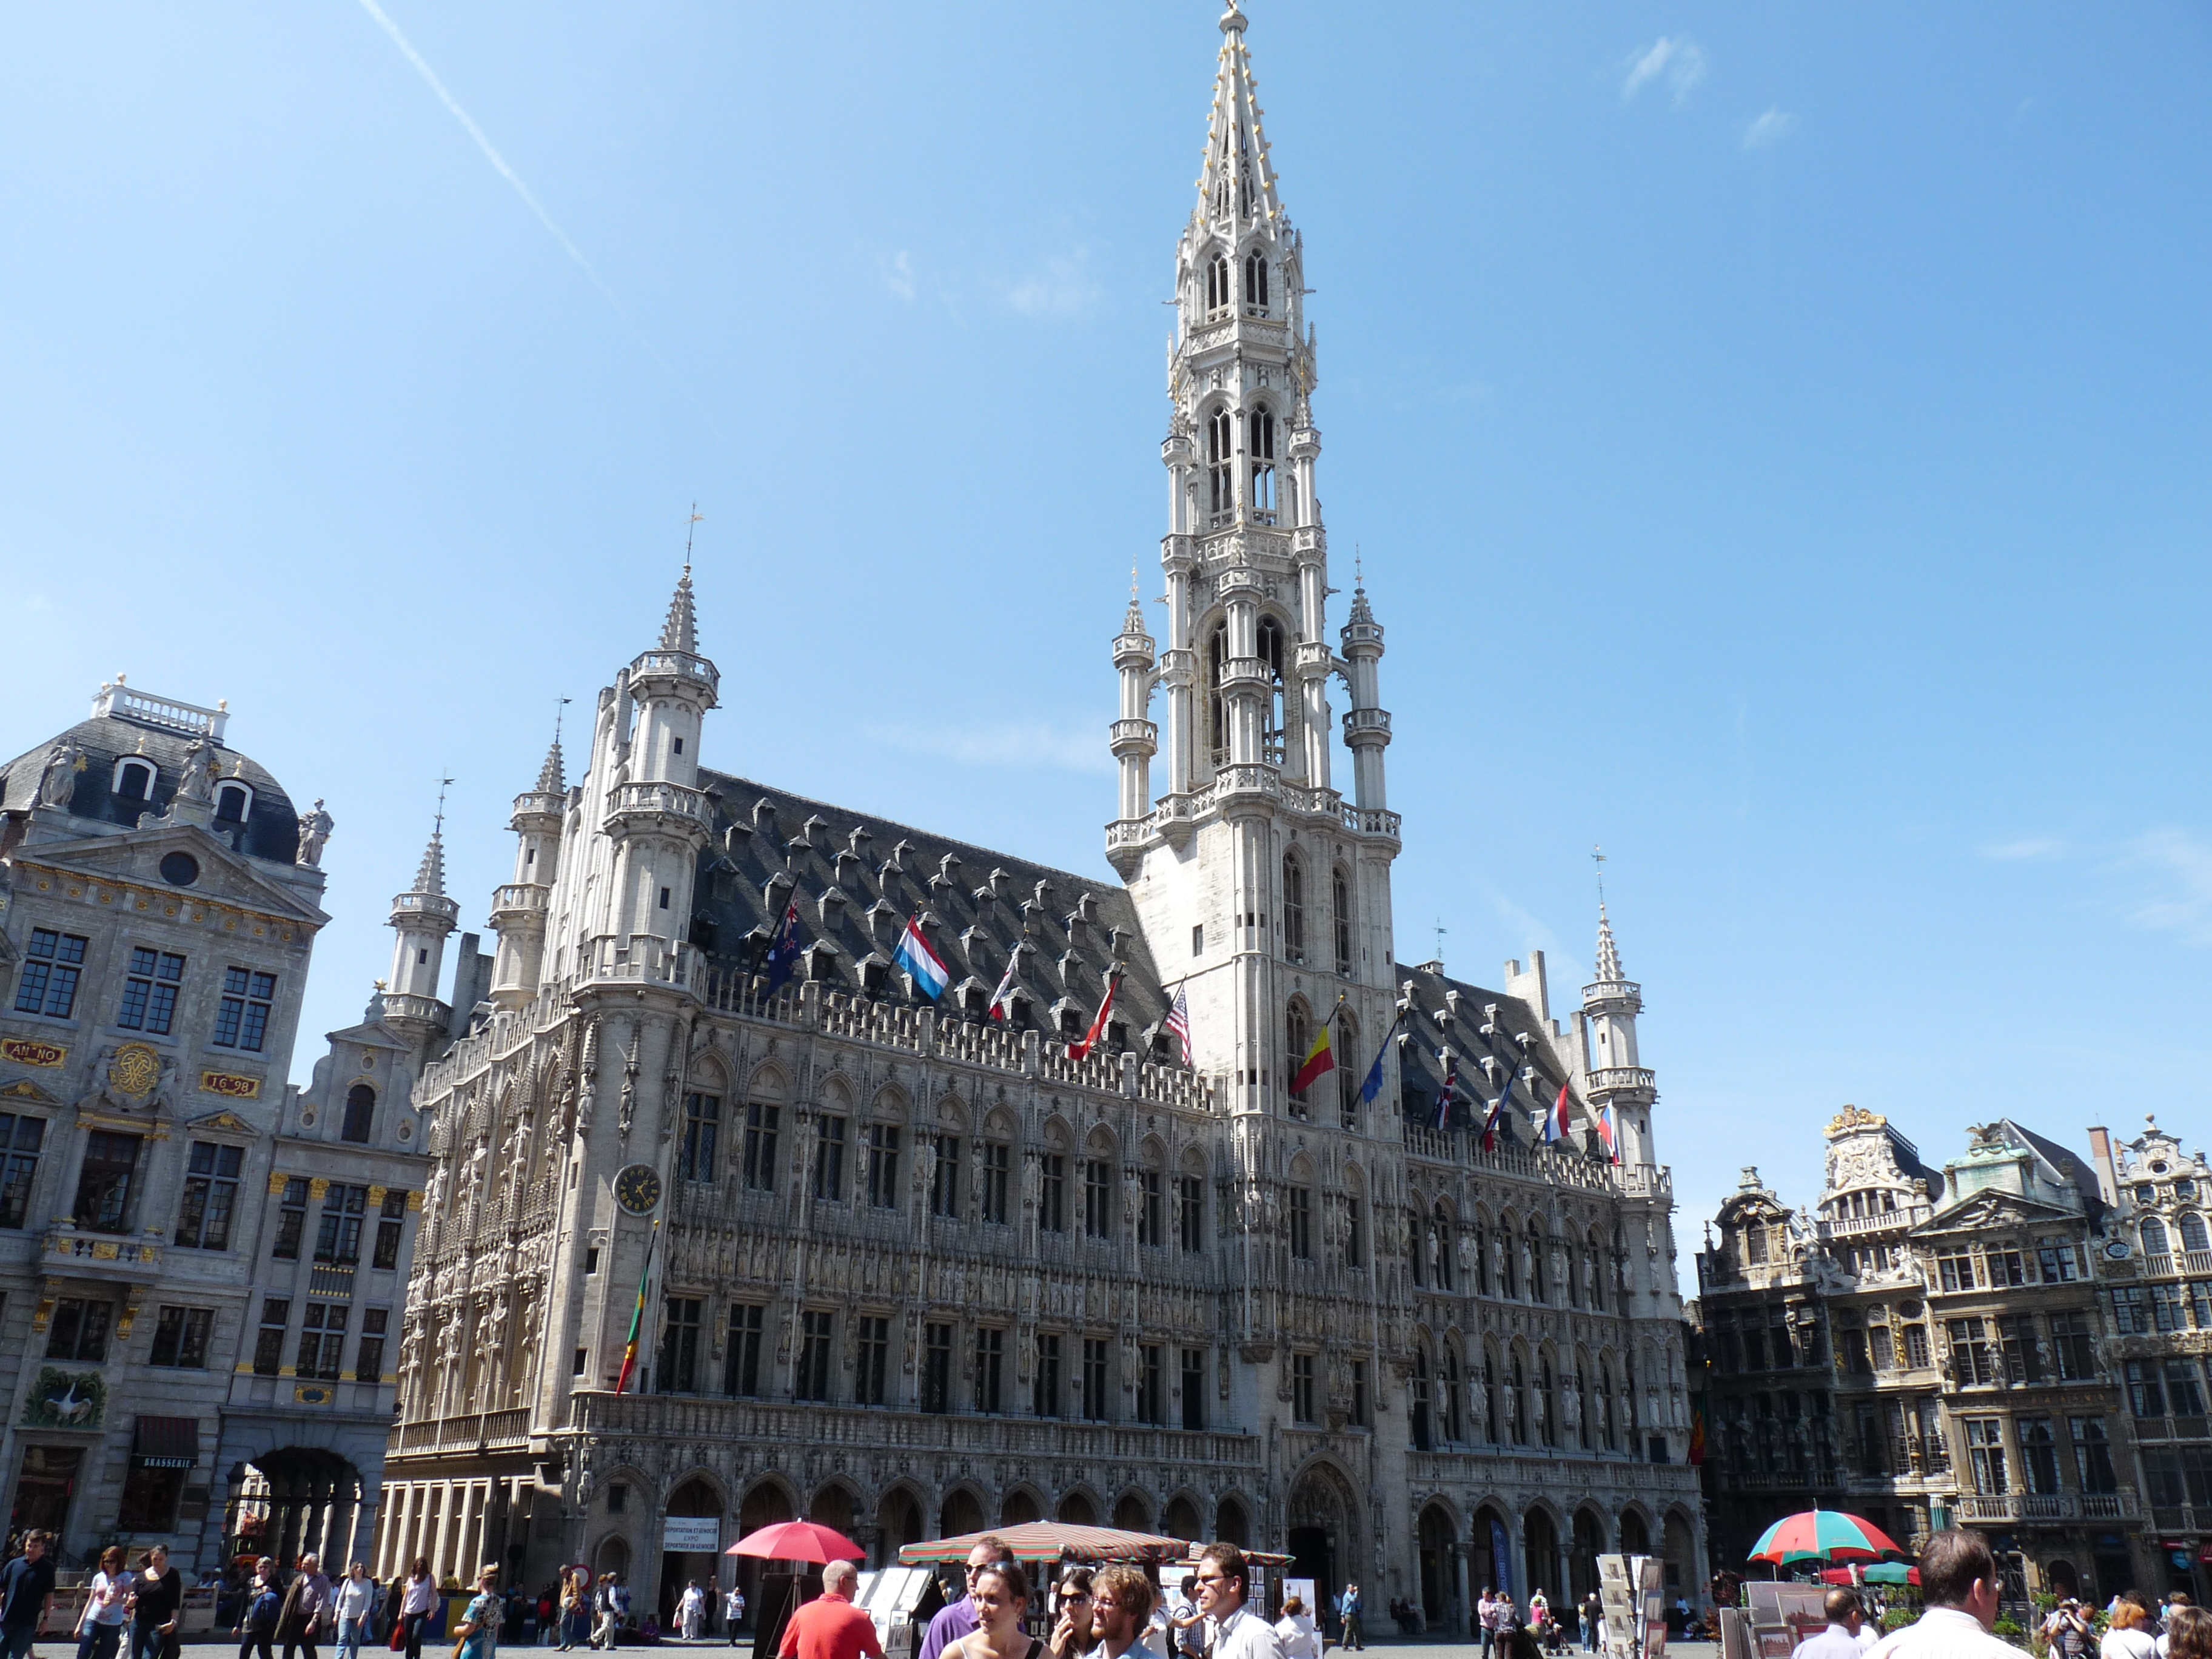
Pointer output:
x,y
798,1541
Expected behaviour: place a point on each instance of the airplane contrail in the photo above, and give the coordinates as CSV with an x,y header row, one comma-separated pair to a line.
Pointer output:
x,y
499,162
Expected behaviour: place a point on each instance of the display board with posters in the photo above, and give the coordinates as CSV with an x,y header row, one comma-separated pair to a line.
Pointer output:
x,y
1783,1615
1303,1589
1631,1606
892,1598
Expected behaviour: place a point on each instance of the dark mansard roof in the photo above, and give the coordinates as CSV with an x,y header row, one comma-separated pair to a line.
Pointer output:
x,y
976,904
271,829
1435,1024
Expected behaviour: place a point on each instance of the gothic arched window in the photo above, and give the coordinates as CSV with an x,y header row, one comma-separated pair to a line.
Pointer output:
x,y
1294,914
1348,1074
1216,726
1489,1399
1298,1033
1536,1263
1453,1431
1574,1286
1516,1403
1420,1412
1255,281
1508,1253
1340,894
1548,1403
1605,1401
1220,452
1440,1240
1216,283
1270,653
1259,427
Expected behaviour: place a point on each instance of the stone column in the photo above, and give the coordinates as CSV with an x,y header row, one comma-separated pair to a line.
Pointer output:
x,y
440,1556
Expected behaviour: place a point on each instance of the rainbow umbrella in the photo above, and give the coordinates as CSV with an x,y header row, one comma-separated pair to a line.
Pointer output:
x,y
1823,1535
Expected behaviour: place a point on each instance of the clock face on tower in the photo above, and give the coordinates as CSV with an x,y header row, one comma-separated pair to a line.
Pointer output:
x,y
637,1189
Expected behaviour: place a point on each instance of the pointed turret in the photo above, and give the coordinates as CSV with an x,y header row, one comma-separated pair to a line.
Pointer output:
x,y
422,916
1608,955
1237,185
681,631
519,910
1366,723
1136,738
550,776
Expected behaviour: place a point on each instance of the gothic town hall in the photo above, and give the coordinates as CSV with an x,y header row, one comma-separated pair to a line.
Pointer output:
x,y
915,1269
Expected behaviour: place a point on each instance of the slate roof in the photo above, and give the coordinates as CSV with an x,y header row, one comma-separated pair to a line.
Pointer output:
x,y
272,824
765,834
1421,1070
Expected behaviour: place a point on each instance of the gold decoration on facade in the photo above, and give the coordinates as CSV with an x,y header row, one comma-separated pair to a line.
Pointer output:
x,y
1852,1119
230,1084
24,1052
135,1069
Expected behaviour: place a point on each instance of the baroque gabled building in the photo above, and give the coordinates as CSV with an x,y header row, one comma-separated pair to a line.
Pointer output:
x,y
916,1266
200,1265
1925,1347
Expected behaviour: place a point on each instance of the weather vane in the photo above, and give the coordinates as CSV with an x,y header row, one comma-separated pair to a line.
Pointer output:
x,y
1597,856
696,515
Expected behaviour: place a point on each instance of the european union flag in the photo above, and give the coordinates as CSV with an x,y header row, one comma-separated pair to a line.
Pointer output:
x,y
783,951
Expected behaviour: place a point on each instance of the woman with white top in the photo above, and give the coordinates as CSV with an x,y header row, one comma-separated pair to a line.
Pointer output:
x,y
414,1604
1296,1628
355,1597
99,1621
2128,1636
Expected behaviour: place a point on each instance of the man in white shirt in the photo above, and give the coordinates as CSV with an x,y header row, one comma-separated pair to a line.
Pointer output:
x,y
1239,1632
1841,1638
1959,1587
1120,1608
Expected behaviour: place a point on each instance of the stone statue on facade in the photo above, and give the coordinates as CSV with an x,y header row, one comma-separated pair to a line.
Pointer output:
x,y
315,827
198,781
57,782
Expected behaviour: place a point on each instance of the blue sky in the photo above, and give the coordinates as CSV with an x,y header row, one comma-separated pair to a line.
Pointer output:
x,y
1778,436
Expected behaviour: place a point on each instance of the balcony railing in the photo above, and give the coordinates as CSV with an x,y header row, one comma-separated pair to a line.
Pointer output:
x,y
2047,1506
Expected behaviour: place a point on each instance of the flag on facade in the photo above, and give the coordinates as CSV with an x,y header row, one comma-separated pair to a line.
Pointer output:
x,y
1002,999
1555,1120
637,1313
1373,1085
1697,1428
1604,1121
1496,1115
1448,1098
1079,1050
783,948
1320,1062
914,955
1178,1023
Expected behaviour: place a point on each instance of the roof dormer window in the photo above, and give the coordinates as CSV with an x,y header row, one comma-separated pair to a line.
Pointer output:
x,y
134,779
232,801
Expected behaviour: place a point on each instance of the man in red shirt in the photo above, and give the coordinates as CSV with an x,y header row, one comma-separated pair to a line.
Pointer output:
x,y
830,1626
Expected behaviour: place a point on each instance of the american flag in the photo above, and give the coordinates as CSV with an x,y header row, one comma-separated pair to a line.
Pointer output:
x,y
1178,1023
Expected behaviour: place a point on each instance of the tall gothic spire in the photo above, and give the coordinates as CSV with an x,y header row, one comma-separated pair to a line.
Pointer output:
x,y
550,780
1608,954
1237,185
681,631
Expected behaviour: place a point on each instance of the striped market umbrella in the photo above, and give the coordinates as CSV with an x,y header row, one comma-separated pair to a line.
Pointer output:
x,y
1823,1535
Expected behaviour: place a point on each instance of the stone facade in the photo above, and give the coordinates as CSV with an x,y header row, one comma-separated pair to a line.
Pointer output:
x,y
174,1217
1924,1348
913,1267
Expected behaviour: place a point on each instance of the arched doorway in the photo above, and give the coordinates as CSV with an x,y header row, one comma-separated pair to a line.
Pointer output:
x,y
1077,1511
898,1523
1323,1517
2060,1578
1232,1525
1682,1556
1018,1508
1132,1514
1180,1520
701,1556
961,1514
1435,1558
1490,1554
1582,1555
611,1556
1635,1534
298,1500
1539,1544
832,1507
765,1502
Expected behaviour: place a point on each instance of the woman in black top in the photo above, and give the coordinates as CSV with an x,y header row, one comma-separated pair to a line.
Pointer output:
x,y
157,1593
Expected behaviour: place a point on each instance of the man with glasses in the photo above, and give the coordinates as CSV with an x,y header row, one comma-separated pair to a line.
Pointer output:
x,y
1239,1632
1121,1607
959,1619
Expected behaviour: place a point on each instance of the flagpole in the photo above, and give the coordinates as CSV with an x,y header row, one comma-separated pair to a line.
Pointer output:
x,y
637,1313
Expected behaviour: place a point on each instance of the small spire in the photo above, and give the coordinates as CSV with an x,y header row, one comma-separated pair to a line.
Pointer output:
x,y
551,781
430,877
681,631
1236,184
1608,954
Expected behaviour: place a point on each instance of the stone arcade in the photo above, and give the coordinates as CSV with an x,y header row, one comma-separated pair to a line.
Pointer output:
x,y
912,1269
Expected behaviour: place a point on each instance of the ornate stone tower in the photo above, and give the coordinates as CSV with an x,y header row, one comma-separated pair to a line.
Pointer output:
x,y
1260,888
518,909
422,916
1616,1079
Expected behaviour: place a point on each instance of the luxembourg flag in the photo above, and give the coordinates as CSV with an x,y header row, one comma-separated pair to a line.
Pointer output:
x,y
1605,1133
915,956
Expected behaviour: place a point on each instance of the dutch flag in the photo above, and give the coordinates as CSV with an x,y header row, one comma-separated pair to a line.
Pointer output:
x,y
915,956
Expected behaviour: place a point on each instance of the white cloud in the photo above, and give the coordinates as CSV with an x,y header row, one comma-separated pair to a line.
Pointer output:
x,y
898,275
2023,847
1681,61
1059,285
1769,129
1009,743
